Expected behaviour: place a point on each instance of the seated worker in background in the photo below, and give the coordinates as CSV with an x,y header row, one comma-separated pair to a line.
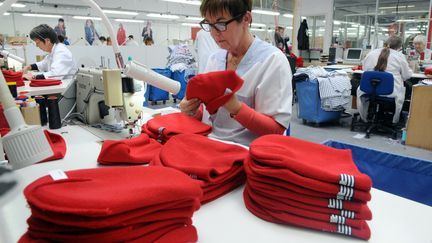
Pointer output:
x,y
421,50
59,62
263,104
205,45
148,41
387,59
131,42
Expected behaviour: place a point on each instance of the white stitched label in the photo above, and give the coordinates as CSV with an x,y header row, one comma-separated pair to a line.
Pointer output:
x,y
58,175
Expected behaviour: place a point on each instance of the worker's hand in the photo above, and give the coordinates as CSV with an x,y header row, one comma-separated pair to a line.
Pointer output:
x,y
189,107
26,69
28,76
233,105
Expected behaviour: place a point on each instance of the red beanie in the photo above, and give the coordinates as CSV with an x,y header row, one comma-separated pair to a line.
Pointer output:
x,y
138,150
311,160
287,218
3,121
200,157
44,82
58,146
109,191
164,127
11,76
210,88
337,191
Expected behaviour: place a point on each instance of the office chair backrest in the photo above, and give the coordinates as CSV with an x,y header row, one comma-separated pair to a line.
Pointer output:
x,y
380,83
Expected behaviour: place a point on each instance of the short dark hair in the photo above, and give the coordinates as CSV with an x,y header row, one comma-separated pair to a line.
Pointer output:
x,y
61,38
130,36
233,7
43,31
61,20
102,38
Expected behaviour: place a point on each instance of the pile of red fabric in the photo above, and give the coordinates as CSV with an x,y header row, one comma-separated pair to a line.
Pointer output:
x,y
291,181
164,127
44,82
217,166
122,204
11,76
137,150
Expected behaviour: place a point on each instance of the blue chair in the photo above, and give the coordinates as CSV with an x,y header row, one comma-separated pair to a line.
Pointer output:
x,y
381,109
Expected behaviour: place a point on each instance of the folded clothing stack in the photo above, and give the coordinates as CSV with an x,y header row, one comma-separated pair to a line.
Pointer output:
x,y
164,127
44,82
11,76
138,150
122,204
291,181
216,166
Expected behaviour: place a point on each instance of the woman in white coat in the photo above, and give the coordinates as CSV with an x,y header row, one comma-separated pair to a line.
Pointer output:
x,y
58,64
387,59
263,104
425,54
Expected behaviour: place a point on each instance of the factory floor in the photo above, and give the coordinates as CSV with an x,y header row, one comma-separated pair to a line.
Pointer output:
x,y
340,131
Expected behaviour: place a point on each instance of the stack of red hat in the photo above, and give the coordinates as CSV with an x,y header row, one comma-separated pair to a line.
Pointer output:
x,y
137,150
133,204
217,166
164,127
11,76
291,181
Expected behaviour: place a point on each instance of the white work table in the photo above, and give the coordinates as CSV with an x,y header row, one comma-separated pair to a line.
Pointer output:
x,y
46,90
395,219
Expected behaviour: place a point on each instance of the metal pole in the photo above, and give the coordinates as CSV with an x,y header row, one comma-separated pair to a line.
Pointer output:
x,y
376,24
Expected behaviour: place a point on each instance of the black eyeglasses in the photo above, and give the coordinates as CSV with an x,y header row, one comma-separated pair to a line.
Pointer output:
x,y
219,26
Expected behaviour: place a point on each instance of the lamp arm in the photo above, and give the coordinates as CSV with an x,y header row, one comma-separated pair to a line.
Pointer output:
x,y
8,54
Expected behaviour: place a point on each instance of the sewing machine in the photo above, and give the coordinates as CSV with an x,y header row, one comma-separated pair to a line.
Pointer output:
x,y
108,97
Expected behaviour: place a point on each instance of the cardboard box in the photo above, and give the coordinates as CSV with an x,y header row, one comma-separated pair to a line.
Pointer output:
x,y
419,132
31,115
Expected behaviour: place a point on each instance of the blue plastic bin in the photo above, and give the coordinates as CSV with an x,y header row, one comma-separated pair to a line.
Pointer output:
x,y
155,94
309,103
403,176
182,77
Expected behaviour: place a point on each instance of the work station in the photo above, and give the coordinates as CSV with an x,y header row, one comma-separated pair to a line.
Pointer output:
x,y
215,121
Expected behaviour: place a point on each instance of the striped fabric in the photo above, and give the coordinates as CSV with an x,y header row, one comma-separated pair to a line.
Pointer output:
x,y
335,91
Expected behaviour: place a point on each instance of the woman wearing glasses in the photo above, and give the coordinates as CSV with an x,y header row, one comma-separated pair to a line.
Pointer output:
x,y
263,104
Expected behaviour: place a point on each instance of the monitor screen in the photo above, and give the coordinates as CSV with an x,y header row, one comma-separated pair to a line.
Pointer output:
x,y
354,54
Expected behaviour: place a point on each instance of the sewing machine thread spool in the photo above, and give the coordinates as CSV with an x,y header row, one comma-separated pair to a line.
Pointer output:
x,y
54,119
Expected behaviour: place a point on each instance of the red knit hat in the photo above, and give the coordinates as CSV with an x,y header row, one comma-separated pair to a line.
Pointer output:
x,y
210,88
109,191
138,150
164,127
11,76
338,191
286,218
44,82
311,160
272,201
3,121
200,157
58,146
283,207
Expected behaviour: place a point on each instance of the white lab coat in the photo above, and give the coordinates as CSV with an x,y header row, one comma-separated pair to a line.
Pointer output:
x,y
205,45
58,62
396,65
267,89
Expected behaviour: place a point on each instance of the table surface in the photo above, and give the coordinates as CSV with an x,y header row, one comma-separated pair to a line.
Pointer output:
x,y
395,219
46,90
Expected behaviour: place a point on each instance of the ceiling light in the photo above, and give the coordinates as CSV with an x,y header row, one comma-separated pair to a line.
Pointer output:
x,y
191,24
194,18
191,2
265,12
400,7
16,5
405,20
86,17
336,22
42,15
287,15
163,16
411,11
257,29
130,20
289,27
120,12
6,14
258,25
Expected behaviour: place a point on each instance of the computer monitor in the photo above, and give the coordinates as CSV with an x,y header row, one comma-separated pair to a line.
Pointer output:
x,y
353,56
